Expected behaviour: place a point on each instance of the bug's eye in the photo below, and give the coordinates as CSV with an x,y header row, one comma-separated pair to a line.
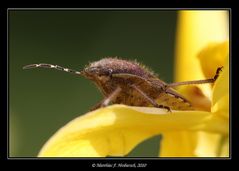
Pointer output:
x,y
92,70
110,71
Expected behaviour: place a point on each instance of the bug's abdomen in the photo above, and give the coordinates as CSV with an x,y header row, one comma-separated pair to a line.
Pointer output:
x,y
173,102
131,98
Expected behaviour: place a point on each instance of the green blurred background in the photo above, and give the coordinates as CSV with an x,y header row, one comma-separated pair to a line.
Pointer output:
x,y
43,100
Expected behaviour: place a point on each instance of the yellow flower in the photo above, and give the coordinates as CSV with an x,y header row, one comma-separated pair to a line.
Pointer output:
x,y
117,129
201,49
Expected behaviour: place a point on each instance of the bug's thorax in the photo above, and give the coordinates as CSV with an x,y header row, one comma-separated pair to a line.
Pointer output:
x,y
102,73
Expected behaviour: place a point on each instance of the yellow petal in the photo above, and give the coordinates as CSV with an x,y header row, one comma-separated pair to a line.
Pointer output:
x,y
193,144
190,144
221,87
117,129
213,56
224,152
208,144
196,97
204,144
214,144
220,108
220,100
195,30
178,144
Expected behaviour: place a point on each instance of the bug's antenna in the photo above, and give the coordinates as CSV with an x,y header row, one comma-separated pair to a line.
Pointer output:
x,y
42,65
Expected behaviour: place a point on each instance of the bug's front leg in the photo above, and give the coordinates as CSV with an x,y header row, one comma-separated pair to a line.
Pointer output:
x,y
106,101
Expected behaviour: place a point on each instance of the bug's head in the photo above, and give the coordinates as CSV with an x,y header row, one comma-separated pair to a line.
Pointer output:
x,y
98,71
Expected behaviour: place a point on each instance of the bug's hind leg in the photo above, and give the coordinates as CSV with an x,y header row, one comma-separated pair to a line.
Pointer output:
x,y
149,99
210,80
219,69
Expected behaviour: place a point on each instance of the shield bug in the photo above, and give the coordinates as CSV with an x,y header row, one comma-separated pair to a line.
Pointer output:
x,y
130,83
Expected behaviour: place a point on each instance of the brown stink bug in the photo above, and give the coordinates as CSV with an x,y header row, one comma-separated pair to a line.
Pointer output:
x,y
130,83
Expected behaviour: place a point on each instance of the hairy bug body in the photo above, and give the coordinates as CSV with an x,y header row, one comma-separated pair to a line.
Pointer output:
x,y
130,83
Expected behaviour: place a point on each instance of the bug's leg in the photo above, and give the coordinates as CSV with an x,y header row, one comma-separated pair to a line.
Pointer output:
x,y
106,101
149,99
211,80
219,69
